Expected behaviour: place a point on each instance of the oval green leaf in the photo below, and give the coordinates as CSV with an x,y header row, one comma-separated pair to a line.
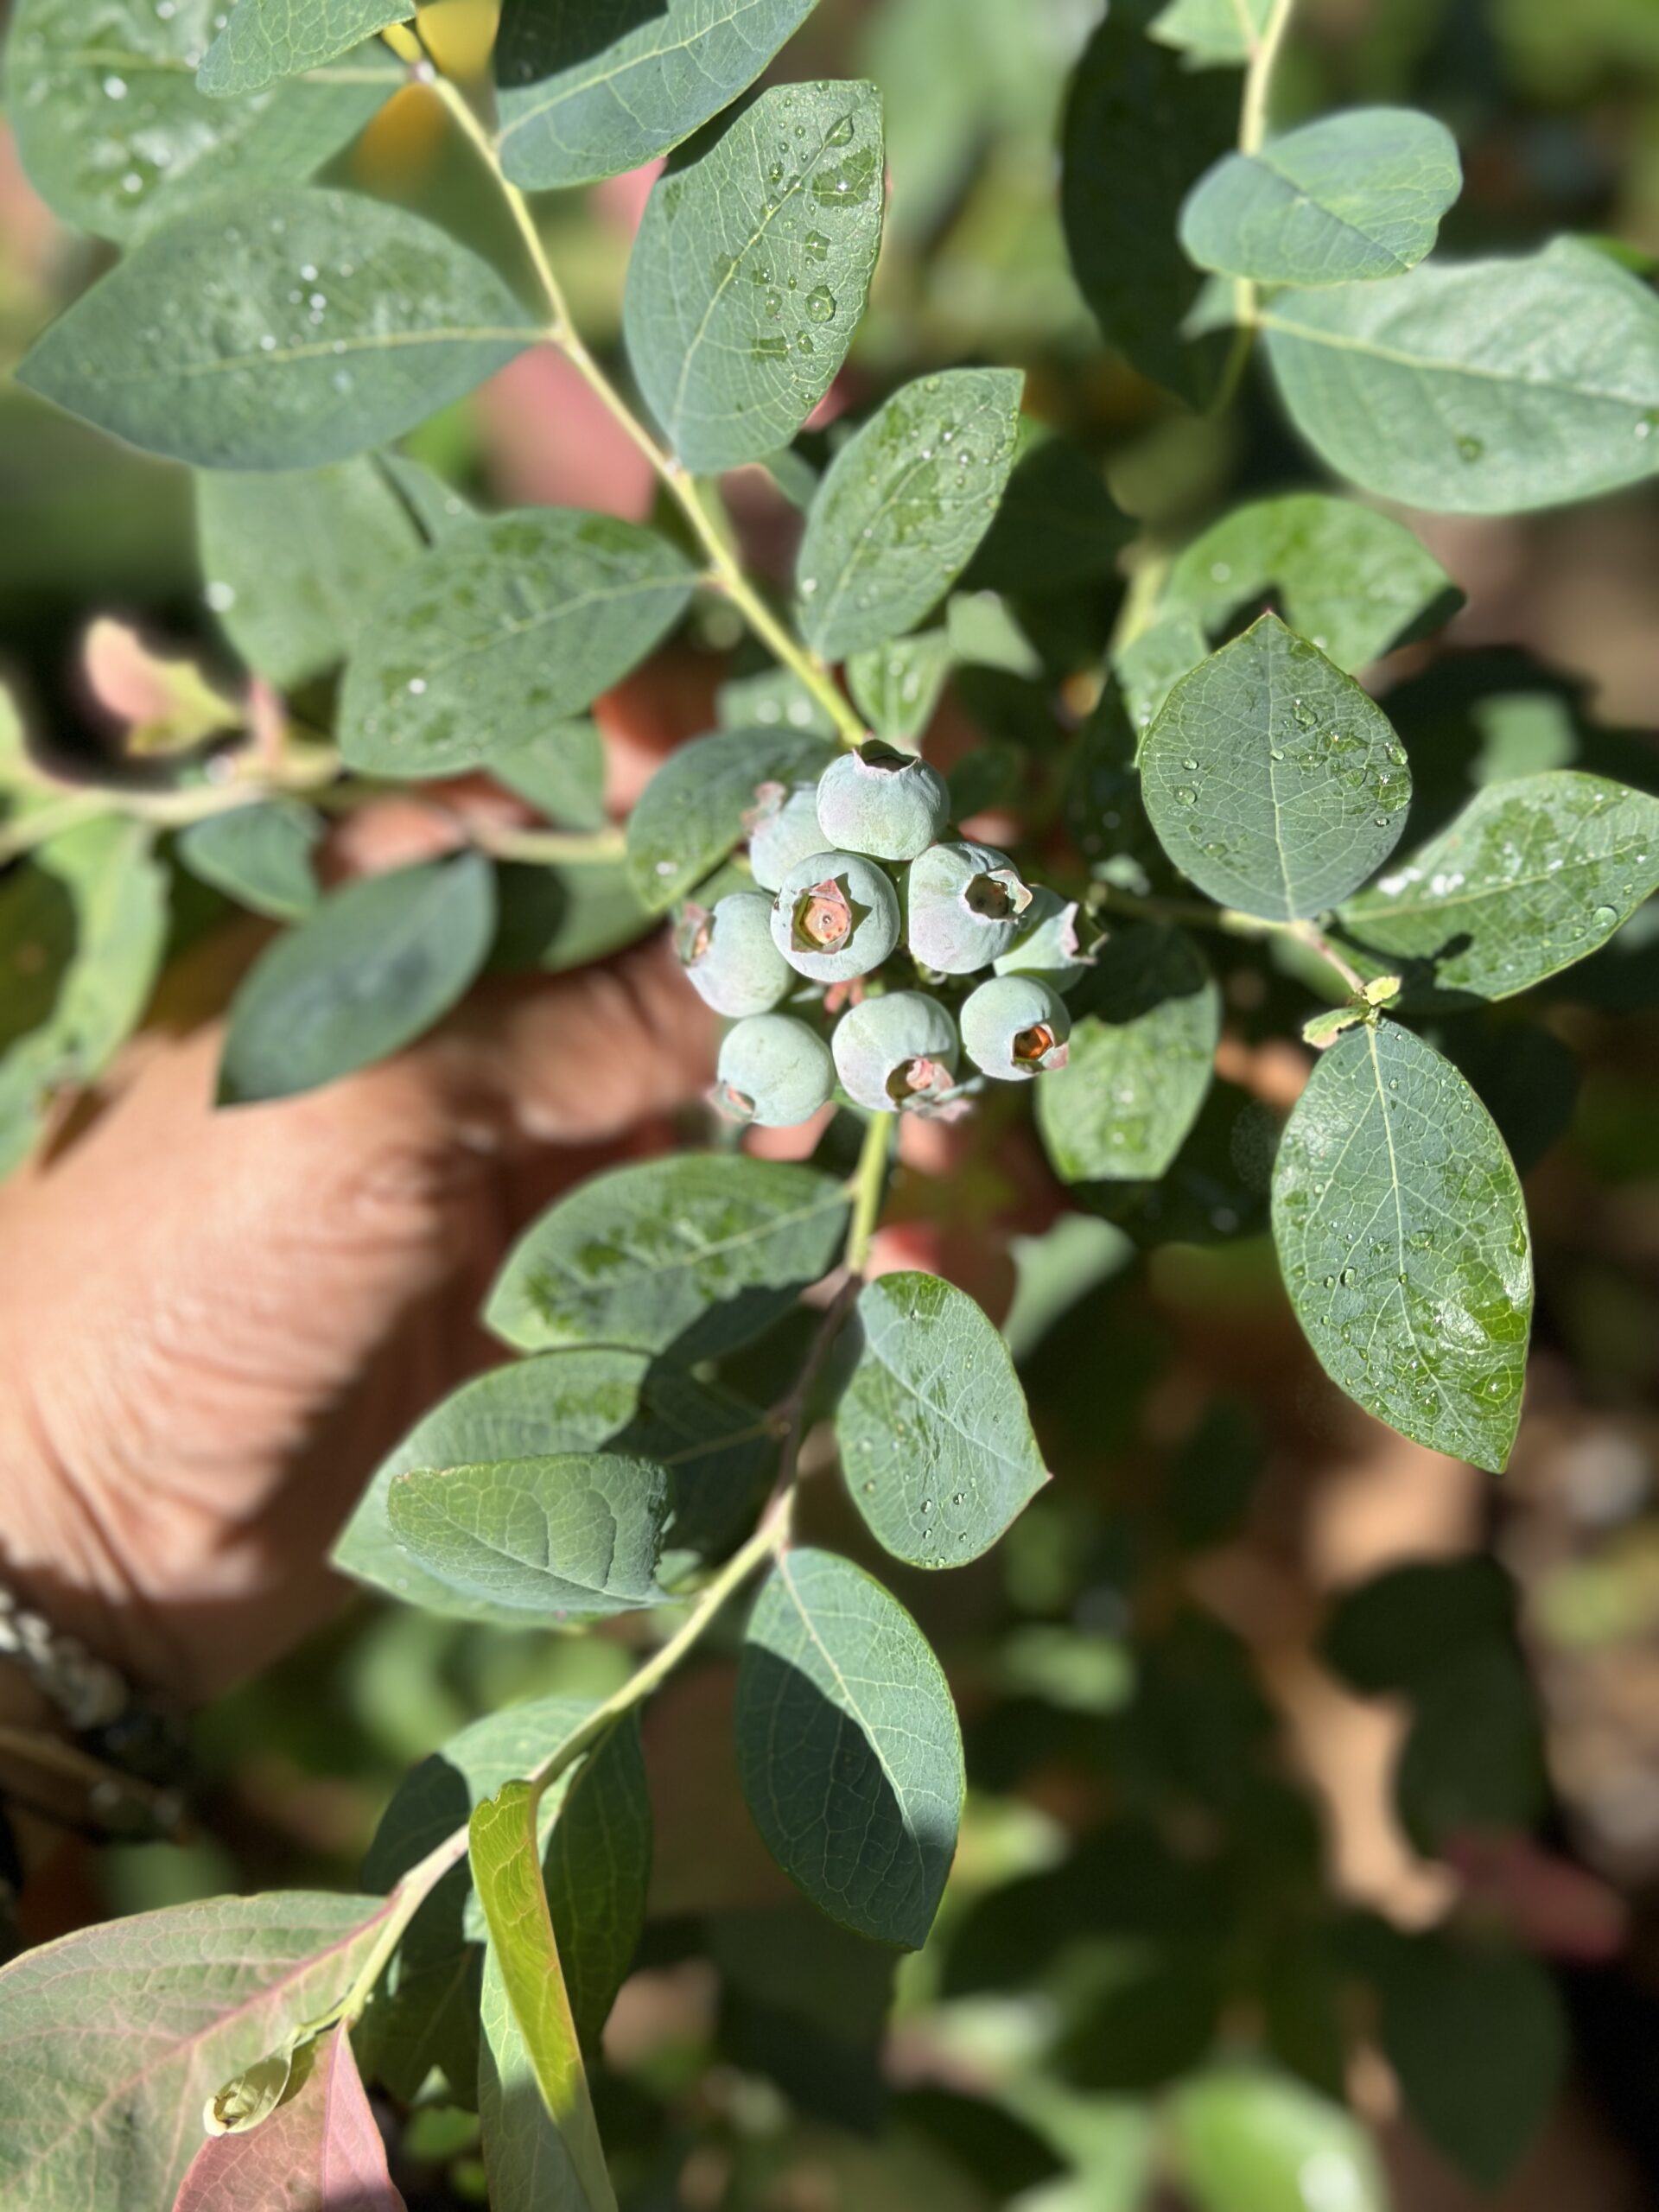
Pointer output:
x,y
1354,581
211,344
1215,33
265,40
577,1537
1534,874
1346,200
847,1747
114,135
591,88
691,814
1142,126
1482,388
83,924
513,621
714,1444
936,1443
1146,1022
368,971
903,505
1402,1238
296,560
751,269
259,856
1270,777
541,2141
700,1253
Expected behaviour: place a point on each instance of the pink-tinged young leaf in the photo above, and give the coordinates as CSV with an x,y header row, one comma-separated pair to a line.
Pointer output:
x,y
318,2151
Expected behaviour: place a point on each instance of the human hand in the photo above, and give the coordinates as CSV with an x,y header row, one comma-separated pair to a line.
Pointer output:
x,y
212,1324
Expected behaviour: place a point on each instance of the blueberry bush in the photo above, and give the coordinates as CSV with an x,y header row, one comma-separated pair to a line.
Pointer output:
x,y
1181,799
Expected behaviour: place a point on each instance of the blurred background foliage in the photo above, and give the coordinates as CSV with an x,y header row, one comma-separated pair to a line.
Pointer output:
x,y
1208,1778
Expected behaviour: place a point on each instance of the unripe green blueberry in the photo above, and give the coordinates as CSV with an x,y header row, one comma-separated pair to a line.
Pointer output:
x,y
1015,1026
773,1071
898,1052
728,956
1051,943
783,827
836,916
965,905
880,801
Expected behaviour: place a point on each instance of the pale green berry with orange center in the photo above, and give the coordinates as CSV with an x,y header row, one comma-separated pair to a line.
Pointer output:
x,y
879,801
1014,1027
897,1053
1055,941
965,905
729,958
836,916
783,827
774,1071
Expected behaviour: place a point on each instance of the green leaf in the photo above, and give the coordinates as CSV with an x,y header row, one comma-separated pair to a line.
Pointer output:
x,y
1057,529
1247,2141
903,505
579,1534
556,919
118,2035
897,687
699,1253
691,814
1270,777
369,971
319,2146
751,269
541,2143
1534,874
1140,128
1474,1760
1350,198
597,1868
847,1747
1211,31
114,135
590,88
267,39
260,855
295,561
713,1443
194,347
82,926
513,622
1152,663
559,769
1403,1237
1354,581
936,1443
1146,1023
1400,1629
775,698
1478,2040
1484,388
425,2010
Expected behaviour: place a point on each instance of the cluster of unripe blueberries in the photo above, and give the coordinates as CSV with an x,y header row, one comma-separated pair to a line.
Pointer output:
x,y
851,872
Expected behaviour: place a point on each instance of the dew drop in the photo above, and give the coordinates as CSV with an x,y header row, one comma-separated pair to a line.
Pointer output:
x,y
1186,796
115,88
821,303
1604,917
1470,448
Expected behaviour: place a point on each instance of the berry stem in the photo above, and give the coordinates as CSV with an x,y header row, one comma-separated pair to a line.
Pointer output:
x,y
869,1183
1194,913
724,573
